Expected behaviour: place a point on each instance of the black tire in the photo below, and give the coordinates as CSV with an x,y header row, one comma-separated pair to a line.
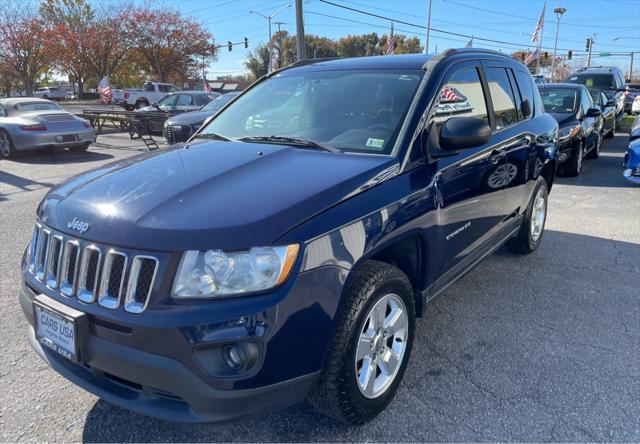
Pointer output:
x,y
79,149
141,104
573,166
337,393
524,242
613,130
7,148
595,151
129,107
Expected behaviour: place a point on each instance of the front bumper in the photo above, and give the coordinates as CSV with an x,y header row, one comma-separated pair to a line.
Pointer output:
x,y
27,141
150,365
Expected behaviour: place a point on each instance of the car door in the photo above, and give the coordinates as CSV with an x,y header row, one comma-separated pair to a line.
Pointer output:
x,y
471,206
590,125
185,103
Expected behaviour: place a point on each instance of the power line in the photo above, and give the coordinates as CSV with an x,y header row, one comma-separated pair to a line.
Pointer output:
x,y
392,19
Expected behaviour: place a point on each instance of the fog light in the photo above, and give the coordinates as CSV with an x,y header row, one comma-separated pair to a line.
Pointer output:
x,y
234,357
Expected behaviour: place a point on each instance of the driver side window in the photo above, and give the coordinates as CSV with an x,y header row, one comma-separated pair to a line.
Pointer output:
x,y
2,111
461,96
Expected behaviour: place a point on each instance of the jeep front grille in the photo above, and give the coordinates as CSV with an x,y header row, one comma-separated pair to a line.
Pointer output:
x,y
90,272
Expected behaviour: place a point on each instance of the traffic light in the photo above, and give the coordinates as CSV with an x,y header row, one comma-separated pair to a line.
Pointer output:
x,y
230,46
246,43
570,55
546,55
588,45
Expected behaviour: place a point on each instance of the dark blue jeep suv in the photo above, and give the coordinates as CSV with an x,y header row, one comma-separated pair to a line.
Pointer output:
x,y
285,251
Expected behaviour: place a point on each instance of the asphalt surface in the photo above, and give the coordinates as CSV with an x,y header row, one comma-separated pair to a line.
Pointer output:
x,y
538,348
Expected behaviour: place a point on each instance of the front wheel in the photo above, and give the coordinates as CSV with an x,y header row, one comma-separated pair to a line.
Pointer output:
x,y
371,345
595,151
613,130
573,166
528,238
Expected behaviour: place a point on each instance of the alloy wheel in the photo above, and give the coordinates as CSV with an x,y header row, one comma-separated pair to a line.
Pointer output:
x,y
381,346
5,145
538,215
580,154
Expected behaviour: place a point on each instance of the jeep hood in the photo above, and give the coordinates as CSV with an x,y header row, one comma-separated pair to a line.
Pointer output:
x,y
208,194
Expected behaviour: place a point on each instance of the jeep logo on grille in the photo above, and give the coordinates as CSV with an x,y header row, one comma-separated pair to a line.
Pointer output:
x,y
78,225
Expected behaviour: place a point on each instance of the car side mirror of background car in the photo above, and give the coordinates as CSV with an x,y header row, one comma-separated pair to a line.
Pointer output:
x,y
593,112
526,108
459,133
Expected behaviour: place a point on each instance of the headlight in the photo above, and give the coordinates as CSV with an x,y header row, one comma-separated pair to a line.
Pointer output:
x,y
213,273
565,133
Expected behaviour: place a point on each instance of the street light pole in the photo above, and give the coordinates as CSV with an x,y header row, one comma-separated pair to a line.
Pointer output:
x,y
269,18
426,45
559,12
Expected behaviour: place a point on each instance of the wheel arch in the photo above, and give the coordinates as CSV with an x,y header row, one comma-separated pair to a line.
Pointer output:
x,y
548,173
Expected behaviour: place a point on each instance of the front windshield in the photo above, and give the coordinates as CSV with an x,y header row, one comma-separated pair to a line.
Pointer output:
x,y
560,100
218,102
596,81
36,106
358,111
169,100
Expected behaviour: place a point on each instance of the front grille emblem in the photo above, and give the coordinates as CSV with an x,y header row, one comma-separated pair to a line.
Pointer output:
x,y
79,225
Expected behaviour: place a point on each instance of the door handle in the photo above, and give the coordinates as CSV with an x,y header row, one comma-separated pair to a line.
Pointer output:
x,y
497,155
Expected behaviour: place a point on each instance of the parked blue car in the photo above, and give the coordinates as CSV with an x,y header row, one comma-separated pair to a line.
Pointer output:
x,y
286,250
632,156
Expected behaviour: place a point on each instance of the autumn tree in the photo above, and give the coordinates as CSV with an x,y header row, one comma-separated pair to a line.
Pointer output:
x,y
545,62
71,20
257,61
26,42
167,43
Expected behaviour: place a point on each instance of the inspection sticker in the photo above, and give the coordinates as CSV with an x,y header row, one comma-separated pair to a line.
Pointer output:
x,y
375,143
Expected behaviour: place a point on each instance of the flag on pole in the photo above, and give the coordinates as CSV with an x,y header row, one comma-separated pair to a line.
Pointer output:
x,y
105,90
531,57
391,43
539,26
469,43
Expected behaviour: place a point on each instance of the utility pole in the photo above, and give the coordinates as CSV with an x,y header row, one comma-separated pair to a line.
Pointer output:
x,y
426,46
631,68
590,41
559,12
300,46
204,76
269,18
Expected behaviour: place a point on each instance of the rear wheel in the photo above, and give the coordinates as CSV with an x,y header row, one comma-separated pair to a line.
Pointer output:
x,y
7,149
573,166
530,234
613,130
371,345
79,149
595,151
141,104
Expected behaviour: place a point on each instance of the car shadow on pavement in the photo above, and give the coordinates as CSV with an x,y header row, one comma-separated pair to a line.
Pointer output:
x,y
19,182
606,171
523,348
59,157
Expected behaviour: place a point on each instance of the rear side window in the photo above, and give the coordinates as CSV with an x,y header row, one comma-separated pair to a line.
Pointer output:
x,y
184,100
525,85
461,96
595,81
504,105
148,87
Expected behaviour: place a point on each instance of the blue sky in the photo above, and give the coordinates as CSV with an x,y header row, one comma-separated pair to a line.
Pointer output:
x,y
615,23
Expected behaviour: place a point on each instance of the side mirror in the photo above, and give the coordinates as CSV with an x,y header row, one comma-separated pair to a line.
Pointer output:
x,y
526,108
460,133
593,112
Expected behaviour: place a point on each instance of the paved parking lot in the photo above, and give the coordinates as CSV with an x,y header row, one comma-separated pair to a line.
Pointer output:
x,y
538,348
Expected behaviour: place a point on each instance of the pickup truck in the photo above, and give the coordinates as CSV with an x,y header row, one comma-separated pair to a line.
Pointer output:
x,y
287,248
151,92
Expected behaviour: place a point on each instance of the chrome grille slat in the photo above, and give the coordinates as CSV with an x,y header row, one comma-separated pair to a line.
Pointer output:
x,y
112,280
90,272
69,268
41,252
54,254
141,280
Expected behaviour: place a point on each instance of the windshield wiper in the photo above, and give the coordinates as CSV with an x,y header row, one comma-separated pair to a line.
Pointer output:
x,y
215,136
288,140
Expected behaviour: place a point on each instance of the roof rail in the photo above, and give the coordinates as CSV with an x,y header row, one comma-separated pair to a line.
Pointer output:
x,y
453,51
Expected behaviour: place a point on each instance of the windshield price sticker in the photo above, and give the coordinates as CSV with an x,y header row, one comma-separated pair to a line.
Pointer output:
x,y
375,143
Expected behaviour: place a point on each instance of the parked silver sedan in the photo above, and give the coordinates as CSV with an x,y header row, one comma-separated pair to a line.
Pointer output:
x,y
28,123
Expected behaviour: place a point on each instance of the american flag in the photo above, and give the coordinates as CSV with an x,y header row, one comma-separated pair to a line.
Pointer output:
x,y
105,90
206,87
391,43
531,57
451,94
539,26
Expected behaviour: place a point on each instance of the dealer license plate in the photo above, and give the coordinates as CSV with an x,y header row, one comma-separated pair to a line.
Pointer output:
x,y
57,332
70,138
